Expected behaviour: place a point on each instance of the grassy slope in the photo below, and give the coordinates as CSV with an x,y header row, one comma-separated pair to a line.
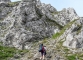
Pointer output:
x,y
8,52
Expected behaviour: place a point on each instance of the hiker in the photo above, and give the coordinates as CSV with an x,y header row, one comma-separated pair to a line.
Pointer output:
x,y
42,50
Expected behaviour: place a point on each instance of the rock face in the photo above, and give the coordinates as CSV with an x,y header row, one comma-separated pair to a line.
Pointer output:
x,y
65,16
31,21
74,35
4,1
26,23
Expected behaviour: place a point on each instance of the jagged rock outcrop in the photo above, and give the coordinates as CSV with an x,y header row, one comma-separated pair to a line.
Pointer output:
x,y
74,35
26,24
5,1
4,10
65,16
31,20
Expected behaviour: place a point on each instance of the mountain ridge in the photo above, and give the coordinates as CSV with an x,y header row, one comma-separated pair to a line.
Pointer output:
x,y
25,24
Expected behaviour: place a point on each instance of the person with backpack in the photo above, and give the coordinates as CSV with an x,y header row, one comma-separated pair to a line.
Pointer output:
x,y
42,50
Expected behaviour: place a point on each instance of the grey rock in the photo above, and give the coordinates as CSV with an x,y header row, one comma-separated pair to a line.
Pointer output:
x,y
17,56
65,16
5,1
74,36
24,24
31,21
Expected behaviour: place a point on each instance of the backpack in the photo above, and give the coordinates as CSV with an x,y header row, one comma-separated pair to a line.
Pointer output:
x,y
40,47
44,49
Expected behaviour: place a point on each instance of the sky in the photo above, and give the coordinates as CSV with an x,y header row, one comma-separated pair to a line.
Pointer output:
x,y
60,4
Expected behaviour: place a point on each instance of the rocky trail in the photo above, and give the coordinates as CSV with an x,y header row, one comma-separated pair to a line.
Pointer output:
x,y
55,51
52,52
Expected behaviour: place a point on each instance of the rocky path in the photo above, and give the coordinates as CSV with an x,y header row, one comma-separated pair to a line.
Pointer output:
x,y
52,53
55,51
33,53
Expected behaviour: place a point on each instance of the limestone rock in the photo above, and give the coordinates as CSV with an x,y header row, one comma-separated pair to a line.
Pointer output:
x,y
65,16
5,1
32,20
27,23
74,35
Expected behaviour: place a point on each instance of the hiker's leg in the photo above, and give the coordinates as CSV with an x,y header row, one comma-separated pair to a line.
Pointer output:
x,y
43,56
44,53
40,57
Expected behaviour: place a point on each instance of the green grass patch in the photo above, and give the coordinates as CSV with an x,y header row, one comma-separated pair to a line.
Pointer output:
x,y
66,49
54,23
61,43
1,19
56,35
12,4
7,52
57,12
45,40
1,43
71,57
79,56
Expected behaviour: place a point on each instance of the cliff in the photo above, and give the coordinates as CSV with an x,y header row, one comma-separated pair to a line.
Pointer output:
x,y
29,22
